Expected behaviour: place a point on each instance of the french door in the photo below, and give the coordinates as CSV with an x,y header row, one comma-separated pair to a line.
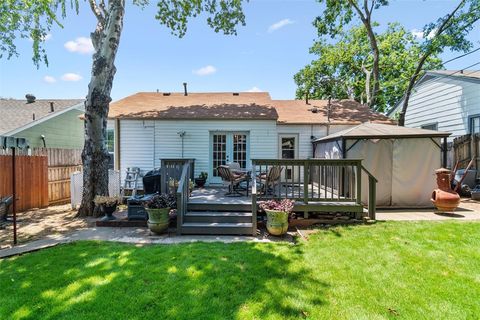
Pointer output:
x,y
227,147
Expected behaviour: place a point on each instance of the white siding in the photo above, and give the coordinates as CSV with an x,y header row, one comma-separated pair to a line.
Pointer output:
x,y
447,101
144,143
136,146
168,144
305,133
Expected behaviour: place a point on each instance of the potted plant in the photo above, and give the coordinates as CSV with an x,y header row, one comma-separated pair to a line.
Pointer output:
x,y
107,206
201,180
158,208
278,214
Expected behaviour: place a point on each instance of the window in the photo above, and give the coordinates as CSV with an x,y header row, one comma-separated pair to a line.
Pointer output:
x,y
288,147
109,143
475,124
431,126
110,140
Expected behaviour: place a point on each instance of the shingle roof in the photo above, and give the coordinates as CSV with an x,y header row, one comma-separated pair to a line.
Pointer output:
x,y
382,131
341,112
18,113
244,105
458,73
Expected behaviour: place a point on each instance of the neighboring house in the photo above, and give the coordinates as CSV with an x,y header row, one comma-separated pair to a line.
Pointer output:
x,y
52,123
216,128
445,100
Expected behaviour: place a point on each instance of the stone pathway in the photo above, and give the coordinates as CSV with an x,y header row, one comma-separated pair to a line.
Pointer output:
x,y
139,236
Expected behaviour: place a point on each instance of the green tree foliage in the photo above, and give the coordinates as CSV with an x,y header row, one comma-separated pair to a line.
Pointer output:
x,y
35,18
337,16
448,32
339,71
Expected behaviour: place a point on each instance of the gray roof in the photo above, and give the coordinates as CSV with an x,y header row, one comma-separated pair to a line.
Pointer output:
x,y
457,73
15,114
382,131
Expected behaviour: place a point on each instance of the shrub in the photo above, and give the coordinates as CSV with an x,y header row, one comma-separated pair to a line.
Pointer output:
x,y
160,201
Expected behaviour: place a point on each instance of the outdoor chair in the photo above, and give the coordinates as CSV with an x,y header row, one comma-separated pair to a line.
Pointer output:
x,y
270,179
232,179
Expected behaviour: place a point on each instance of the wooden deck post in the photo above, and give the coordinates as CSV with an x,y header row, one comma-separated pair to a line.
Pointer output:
x,y
306,180
359,183
254,200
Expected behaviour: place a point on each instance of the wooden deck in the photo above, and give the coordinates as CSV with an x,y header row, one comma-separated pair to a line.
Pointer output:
x,y
315,185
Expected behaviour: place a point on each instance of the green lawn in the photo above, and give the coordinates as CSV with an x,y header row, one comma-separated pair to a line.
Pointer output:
x,y
397,270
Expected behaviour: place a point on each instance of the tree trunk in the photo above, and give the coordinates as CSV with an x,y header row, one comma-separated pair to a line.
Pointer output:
x,y
375,67
408,93
105,39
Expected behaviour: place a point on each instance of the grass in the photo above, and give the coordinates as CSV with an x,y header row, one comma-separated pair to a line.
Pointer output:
x,y
397,270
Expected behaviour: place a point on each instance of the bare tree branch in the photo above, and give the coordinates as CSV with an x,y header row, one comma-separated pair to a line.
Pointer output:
x,y
97,11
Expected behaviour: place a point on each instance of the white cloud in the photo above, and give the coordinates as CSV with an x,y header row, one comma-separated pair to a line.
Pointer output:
x,y
205,71
279,24
81,45
254,89
49,79
419,34
71,77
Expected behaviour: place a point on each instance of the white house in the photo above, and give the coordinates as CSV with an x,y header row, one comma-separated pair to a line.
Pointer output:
x,y
216,128
445,100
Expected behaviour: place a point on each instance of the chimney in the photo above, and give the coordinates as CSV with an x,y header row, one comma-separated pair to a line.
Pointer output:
x,y
52,108
185,89
30,98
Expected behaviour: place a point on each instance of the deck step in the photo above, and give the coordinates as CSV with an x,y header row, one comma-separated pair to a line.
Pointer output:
x,y
217,228
217,216
235,207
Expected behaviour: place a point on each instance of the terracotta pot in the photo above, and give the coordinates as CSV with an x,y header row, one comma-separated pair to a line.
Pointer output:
x,y
444,198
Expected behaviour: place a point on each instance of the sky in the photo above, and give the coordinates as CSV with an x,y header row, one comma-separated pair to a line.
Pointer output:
x,y
264,56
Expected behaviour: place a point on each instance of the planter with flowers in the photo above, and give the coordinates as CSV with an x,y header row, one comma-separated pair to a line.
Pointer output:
x,y
158,208
278,213
107,205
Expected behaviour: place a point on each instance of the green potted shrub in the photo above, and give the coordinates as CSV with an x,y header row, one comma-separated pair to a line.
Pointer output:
x,y
107,205
201,180
158,208
278,213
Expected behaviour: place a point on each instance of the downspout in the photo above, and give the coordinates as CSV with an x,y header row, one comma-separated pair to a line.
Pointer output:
x,y
116,145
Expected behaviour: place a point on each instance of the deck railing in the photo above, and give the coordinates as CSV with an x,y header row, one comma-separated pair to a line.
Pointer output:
x,y
183,192
311,181
171,170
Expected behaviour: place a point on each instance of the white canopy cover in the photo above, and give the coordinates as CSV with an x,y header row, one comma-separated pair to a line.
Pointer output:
x,y
404,165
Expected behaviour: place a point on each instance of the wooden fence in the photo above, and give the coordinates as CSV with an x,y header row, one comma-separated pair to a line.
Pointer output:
x,y
61,164
31,180
465,148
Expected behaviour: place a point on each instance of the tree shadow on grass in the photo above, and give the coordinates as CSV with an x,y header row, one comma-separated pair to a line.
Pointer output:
x,y
88,280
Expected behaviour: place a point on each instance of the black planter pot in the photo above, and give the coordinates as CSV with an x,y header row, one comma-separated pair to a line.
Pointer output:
x,y
200,183
108,211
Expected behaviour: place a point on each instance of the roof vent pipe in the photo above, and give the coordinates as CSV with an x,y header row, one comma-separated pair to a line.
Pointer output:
x,y
30,98
185,89
33,117
52,108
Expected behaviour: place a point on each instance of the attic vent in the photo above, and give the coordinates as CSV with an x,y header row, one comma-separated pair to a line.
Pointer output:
x,y
236,94
166,94
30,98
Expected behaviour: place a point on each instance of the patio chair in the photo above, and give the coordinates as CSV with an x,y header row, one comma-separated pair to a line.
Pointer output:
x,y
232,179
270,179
